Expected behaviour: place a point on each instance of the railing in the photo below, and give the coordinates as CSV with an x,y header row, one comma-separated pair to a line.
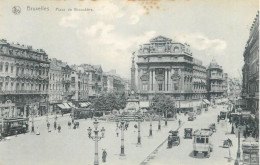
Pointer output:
x,y
24,92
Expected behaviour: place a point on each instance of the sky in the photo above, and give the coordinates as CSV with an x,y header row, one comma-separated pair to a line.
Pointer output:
x,y
110,30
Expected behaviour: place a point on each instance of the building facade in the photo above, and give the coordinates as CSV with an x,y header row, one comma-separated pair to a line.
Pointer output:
x,y
55,84
113,82
24,80
215,82
95,79
250,87
168,67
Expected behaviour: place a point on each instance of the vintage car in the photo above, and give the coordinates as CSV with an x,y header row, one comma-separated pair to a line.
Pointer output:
x,y
212,127
188,133
173,139
202,143
192,116
223,115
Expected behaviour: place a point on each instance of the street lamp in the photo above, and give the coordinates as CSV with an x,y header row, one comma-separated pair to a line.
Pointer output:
x,y
151,125
238,149
117,122
96,138
159,122
122,137
139,131
2,131
32,115
165,118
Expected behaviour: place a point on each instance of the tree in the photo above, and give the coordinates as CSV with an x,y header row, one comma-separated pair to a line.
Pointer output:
x,y
162,104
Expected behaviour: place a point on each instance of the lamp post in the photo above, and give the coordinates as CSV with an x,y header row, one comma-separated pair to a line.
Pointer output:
x,y
139,131
96,138
151,125
122,153
165,122
238,149
2,131
159,122
32,115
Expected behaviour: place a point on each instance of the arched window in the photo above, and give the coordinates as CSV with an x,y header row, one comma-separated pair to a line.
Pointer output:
x,y
6,66
176,49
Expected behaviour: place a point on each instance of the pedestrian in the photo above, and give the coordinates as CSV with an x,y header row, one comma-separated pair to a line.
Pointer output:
x,y
55,125
104,156
24,128
59,128
117,132
135,126
37,131
75,126
89,132
244,134
69,124
179,122
16,132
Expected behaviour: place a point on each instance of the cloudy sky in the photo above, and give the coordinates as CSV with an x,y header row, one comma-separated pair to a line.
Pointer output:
x,y
109,33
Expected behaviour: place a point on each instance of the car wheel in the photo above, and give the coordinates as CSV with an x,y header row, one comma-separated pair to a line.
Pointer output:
x,y
195,153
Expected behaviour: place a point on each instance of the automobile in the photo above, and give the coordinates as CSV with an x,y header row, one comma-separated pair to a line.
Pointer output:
x,y
188,133
202,143
223,115
190,118
212,127
173,138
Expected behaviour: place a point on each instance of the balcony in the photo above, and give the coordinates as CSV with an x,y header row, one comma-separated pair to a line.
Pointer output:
x,y
69,93
216,78
24,92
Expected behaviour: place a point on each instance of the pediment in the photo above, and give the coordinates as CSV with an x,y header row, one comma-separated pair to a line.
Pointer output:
x,y
144,77
160,39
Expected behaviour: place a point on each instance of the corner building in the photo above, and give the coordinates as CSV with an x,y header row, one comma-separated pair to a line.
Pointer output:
x,y
168,67
24,80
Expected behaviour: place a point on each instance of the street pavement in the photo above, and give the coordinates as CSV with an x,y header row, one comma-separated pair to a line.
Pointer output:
x,y
72,146
183,155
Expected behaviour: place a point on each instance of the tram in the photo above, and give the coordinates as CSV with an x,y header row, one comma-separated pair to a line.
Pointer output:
x,y
13,126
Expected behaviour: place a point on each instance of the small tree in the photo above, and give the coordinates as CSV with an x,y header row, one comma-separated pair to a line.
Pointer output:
x,y
162,104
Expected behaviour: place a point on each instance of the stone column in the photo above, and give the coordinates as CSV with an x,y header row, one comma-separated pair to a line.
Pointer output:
x,y
165,80
150,80
154,87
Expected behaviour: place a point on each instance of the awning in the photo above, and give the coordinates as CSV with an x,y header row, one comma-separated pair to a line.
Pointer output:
x,y
61,106
71,105
144,104
66,105
206,101
84,104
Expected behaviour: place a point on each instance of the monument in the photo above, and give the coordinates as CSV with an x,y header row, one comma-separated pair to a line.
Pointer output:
x,y
132,106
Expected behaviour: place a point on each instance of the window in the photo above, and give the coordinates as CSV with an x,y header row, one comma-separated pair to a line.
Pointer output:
x,y
12,69
145,87
176,49
160,87
22,72
12,86
200,140
73,79
6,85
6,67
1,67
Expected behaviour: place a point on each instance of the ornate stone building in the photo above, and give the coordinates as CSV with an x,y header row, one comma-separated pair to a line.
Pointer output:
x,y
215,82
168,67
24,79
250,88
